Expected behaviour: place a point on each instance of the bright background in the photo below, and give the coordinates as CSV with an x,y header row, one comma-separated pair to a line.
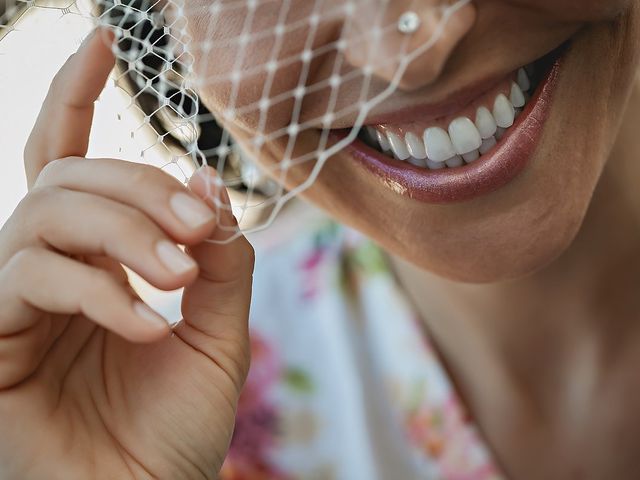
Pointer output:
x,y
29,58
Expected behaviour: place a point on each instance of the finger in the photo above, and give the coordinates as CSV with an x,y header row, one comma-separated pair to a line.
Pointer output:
x,y
216,305
38,280
79,223
64,123
183,215
223,287
109,265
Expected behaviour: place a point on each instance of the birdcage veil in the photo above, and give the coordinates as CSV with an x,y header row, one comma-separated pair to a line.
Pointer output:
x,y
204,111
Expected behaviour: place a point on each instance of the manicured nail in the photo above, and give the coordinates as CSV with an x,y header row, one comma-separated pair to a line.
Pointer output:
x,y
145,313
218,188
190,211
173,258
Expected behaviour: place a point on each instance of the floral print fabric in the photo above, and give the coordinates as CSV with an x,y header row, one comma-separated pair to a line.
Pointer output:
x,y
343,383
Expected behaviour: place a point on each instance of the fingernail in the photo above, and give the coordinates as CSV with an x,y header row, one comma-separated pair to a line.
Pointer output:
x,y
145,313
190,211
173,258
214,182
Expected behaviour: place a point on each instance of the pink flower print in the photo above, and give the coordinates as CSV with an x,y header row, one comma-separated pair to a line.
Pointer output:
x,y
310,267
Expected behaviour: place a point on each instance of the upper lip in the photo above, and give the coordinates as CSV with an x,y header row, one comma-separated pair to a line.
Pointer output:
x,y
453,103
498,167
399,108
406,108
412,109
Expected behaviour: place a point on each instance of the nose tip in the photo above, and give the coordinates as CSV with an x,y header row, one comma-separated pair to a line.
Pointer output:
x,y
415,57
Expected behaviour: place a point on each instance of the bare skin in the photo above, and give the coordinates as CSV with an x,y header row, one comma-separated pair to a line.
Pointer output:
x,y
548,363
89,387
542,339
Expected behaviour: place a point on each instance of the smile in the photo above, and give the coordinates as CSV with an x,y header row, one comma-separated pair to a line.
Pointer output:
x,y
476,150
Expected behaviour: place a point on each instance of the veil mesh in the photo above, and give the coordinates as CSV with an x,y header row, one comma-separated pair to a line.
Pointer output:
x,y
219,82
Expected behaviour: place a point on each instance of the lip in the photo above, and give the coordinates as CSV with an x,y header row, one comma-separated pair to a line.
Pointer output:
x,y
456,102
491,172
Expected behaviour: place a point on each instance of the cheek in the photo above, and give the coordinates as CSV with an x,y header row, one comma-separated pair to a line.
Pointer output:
x,y
256,79
506,235
579,10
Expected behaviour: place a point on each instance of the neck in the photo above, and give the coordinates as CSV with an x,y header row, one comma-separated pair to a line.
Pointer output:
x,y
571,320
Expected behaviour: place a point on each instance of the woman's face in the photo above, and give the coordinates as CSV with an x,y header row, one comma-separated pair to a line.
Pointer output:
x,y
502,215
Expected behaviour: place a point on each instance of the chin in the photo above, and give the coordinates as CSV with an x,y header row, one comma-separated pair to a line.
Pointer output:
x,y
495,251
510,208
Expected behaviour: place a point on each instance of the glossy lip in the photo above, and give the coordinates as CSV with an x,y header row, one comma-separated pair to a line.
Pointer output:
x,y
489,173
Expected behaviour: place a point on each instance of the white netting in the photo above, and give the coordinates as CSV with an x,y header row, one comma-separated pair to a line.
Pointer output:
x,y
254,88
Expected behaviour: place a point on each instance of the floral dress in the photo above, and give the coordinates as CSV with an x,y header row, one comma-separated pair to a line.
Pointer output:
x,y
343,384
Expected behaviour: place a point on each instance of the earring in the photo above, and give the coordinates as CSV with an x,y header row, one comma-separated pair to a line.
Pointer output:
x,y
408,23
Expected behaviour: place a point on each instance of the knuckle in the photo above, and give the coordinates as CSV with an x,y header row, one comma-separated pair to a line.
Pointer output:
x,y
31,206
47,174
251,252
248,253
239,360
30,152
144,175
43,194
32,217
52,171
58,83
25,260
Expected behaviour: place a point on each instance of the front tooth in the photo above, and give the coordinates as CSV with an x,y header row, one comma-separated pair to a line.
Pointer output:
x,y
523,80
418,162
455,162
416,146
383,141
503,111
398,146
438,144
464,135
431,165
517,97
487,144
500,132
471,156
485,123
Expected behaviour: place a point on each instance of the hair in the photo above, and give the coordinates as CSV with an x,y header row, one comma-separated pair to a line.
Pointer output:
x,y
149,42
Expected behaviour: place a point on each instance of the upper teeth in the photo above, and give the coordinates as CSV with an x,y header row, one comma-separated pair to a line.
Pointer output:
x,y
466,139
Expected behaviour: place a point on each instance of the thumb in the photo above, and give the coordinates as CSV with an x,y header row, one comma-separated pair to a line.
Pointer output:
x,y
217,303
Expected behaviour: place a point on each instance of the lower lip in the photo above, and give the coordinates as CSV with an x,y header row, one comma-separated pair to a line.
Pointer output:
x,y
491,172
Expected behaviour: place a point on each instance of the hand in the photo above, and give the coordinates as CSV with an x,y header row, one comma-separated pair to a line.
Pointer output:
x,y
93,384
